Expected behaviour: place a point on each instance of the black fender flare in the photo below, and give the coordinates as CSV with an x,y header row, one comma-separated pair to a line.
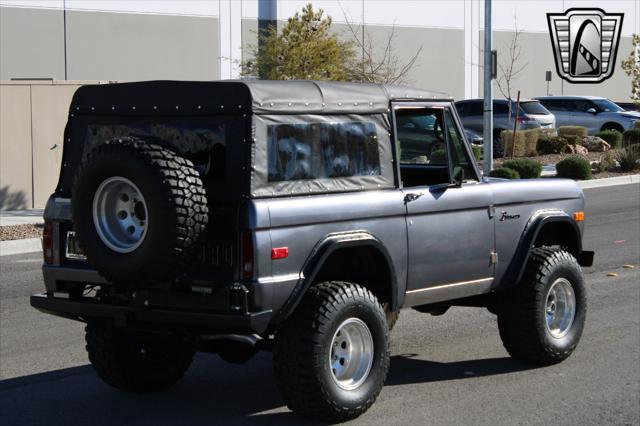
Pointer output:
x,y
532,229
318,256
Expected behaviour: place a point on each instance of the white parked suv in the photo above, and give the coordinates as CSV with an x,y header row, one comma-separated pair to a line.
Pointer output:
x,y
592,112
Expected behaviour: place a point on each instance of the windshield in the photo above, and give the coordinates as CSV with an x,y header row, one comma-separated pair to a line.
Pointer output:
x,y
533,108
606,105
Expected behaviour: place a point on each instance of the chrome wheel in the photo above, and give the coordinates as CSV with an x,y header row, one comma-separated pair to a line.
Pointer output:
x,y
351,354
560,308
120,214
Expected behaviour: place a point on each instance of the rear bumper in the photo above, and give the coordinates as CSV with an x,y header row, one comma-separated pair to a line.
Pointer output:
x,y
143,317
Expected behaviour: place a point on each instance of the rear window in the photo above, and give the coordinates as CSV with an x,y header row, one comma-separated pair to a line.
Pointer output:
x,y
533,108
322,150
203,143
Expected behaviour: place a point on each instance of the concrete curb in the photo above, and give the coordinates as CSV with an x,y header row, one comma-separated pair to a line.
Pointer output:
x,y
29,245
613,181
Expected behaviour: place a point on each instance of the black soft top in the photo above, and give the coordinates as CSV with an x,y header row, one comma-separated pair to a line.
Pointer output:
x,y
240,96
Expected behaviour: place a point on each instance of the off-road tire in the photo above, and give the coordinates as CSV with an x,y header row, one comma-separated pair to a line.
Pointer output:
x,y
521,313
302,351
176,203
119,360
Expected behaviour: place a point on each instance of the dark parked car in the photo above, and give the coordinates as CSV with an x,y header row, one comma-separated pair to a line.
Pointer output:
x,y
298,217
532,115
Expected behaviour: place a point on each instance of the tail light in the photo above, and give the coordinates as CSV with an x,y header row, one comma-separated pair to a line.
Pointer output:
x,y
47,242
524,119
247,255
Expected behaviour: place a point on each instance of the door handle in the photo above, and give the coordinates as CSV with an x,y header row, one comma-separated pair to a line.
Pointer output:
x,y
412,197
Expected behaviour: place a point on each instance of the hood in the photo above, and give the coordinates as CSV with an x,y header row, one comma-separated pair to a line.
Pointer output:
x,y
629,114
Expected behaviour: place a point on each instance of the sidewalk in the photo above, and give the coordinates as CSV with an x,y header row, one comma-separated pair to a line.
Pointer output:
x,y
17,224
21,217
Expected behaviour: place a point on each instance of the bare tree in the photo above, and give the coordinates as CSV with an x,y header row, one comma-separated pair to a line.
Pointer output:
x,y
378,65
511,66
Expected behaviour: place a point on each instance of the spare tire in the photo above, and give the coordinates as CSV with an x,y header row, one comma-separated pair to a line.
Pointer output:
x,y
138,211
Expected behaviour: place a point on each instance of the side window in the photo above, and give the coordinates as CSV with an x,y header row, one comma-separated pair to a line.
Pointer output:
x,y
459,156
475,108
581,105
420,136
431,147
422,148
322,150
500,108
549,104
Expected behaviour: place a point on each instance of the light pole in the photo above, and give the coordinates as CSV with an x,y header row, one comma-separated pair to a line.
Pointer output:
x,y
487,135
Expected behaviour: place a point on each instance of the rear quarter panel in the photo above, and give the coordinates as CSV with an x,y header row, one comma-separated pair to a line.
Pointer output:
x,y
299,223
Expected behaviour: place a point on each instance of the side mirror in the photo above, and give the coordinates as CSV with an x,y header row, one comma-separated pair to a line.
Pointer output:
x,y
592,111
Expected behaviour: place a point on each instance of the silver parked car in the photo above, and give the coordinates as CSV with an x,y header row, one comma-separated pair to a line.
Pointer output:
x,y
532,115
592,112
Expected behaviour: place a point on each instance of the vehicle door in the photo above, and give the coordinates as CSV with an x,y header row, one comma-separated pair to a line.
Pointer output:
x,y
450,227
559,108
584,113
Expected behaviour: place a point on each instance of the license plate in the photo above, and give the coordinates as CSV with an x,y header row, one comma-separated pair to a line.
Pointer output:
x,y
74,250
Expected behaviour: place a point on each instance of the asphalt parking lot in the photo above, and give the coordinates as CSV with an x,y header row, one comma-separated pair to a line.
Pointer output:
x,y
450,369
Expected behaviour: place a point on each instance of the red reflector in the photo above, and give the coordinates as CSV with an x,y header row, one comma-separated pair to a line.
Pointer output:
x,y
280,253
47,242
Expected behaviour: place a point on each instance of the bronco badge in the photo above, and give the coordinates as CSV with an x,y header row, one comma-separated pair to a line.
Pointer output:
x,y
506,216
585,43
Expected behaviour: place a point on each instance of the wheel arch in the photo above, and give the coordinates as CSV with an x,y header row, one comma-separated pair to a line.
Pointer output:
x,y
328,258
546,228
612,125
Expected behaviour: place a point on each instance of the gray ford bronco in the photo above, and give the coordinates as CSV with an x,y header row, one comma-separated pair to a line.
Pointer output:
x,y
297,217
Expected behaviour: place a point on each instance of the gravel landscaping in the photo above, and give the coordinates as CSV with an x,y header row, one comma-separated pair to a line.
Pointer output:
x,y
556,158
19,232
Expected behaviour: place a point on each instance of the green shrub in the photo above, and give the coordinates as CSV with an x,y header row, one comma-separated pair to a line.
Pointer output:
x,y
637,125
628,157
477,151
526,167
552,145
631,137
611,137
439,156
504,173
574,167
606,163
573,131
